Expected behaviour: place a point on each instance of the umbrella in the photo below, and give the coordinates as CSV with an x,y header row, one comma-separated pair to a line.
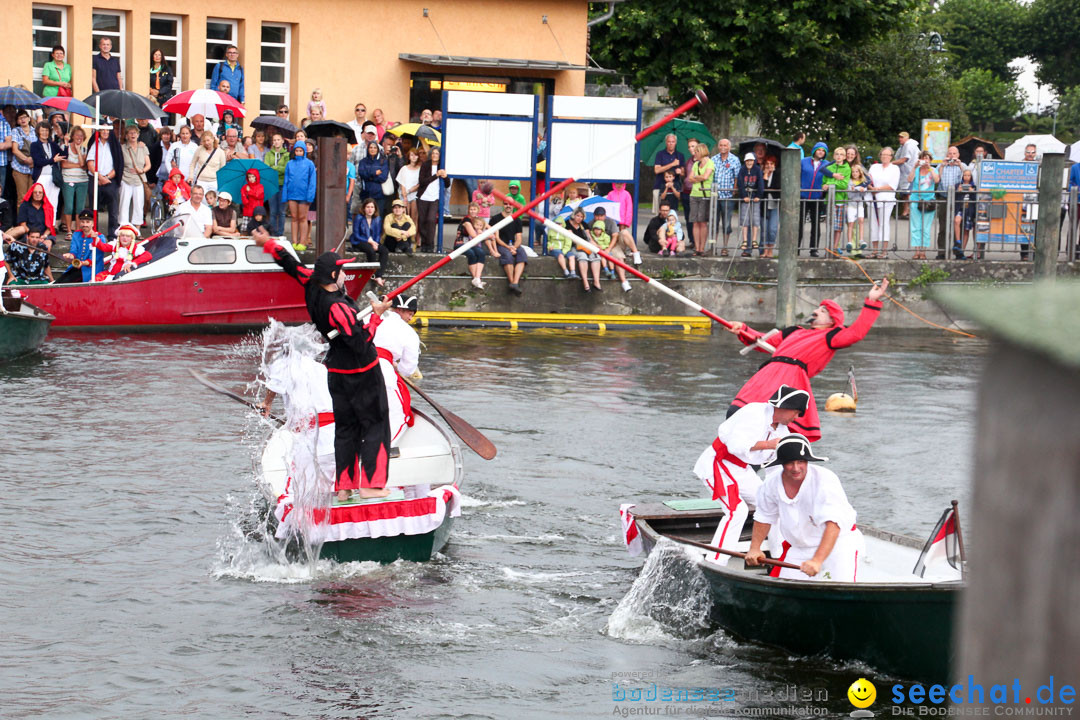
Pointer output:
x,y
589,205
1042,143
125,105
18,97
330,128
1074,152
967,146
425,132
69,104
287,129
771,147
233,176
208,103
683,130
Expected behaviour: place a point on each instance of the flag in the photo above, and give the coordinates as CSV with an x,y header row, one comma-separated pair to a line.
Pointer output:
x,y
943,543
631,536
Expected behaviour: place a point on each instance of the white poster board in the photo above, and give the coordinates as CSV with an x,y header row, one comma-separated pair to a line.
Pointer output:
x,y
593,150
488,148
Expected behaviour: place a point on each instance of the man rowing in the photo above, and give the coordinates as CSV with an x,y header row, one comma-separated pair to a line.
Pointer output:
x,y
807,504
354,378
801,353
749,437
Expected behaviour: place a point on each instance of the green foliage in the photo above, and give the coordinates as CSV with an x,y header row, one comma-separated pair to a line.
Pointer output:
x,y
988,99
928,275
669,274
1032,124
1054,34
982,35
1069,111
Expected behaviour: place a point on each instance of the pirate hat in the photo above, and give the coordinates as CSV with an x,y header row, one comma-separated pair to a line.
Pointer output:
x,y
401,302
789,398
793,447
326,267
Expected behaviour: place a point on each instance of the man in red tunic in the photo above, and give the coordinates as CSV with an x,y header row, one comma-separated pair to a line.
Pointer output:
x,y
801,353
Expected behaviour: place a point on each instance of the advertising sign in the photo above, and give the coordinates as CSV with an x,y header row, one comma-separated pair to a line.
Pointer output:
x,y
936,135
1008,215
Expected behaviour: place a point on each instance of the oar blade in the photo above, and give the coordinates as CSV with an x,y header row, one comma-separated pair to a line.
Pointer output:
x,y
469,435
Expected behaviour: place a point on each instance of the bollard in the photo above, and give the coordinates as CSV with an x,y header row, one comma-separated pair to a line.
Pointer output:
x,y
1048,227
787,241
331,187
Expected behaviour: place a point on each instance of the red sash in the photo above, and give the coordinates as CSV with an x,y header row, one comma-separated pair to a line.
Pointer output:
x,y
402,387
730,497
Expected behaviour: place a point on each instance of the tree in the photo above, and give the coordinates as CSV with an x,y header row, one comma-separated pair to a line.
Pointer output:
x,y
1054,34
748,55
1069,111
982,35
989,99
1032,124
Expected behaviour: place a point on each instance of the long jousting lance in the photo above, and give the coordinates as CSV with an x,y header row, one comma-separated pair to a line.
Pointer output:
x,y
649,281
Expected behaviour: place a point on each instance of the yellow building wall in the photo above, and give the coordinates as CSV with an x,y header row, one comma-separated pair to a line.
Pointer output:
x,y
349,49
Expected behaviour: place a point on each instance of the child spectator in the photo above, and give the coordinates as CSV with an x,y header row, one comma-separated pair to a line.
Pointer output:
x,y
964,221
251,193
855,207
228,120
841,177
514,192
176,190
672,235
316,102
561,248
590,261
484,198
257,220
751,187
670,192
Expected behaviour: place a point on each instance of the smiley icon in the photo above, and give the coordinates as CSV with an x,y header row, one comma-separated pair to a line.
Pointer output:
x,y
862,693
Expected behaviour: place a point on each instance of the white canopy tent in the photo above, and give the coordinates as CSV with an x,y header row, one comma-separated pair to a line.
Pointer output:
x,y
1074,152
1042,143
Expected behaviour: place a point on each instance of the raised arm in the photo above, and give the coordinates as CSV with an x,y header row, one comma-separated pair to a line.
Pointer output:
x,y
281,256
846,337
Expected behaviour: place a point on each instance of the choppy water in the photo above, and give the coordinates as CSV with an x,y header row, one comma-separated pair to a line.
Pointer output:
x,y
130,590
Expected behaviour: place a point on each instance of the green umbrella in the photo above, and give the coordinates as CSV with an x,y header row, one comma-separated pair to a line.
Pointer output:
x,y
683,130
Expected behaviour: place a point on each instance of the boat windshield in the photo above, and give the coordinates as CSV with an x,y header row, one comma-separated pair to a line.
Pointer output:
x,y
160,247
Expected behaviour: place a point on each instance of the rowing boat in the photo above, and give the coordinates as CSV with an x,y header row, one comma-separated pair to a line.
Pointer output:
x,y
23,326
891,619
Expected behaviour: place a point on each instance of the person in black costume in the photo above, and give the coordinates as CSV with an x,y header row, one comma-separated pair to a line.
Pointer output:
x,y
362,433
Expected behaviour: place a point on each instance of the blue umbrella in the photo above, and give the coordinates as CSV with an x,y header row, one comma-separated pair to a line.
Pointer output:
x,y
18,97
589,205
233,176
69,104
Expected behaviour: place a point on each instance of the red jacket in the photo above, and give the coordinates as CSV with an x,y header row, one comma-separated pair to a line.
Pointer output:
x,y
251,197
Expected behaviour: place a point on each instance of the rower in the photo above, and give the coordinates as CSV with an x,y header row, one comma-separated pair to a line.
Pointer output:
x,y
802,353
85,262
398,347
747,438
807,504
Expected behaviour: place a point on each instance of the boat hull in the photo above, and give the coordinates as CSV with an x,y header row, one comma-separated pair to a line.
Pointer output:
x,y
414,548
23,331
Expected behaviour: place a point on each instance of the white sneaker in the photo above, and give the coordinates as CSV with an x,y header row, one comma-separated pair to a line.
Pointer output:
x,y
637,258
476,283
626,285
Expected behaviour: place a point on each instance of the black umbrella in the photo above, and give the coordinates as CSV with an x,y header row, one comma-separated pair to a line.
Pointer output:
x,y
126,105
330,128
287,129
18,97
747,146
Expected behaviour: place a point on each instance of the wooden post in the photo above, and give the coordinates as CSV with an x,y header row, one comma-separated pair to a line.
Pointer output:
x,y
330,191
1048,227
787,243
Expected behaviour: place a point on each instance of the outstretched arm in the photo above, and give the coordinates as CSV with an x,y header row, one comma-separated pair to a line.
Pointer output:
x,y
846,337
281,256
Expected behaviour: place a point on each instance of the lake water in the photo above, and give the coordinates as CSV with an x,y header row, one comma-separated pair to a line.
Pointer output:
x,y
131,591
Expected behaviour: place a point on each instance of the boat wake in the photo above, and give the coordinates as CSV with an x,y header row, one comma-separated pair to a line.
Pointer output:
x,y
668,603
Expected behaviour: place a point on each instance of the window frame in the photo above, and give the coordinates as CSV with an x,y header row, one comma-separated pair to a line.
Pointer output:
x,y
278,90
63,30
211,63
193,260
175,62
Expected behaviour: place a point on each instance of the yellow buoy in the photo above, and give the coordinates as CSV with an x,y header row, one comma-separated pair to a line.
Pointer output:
x,y
840,402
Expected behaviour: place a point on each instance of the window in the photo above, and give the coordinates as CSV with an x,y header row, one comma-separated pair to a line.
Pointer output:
x,y
50,28
220,34
165,33
255,255
213,255
110,25
274,66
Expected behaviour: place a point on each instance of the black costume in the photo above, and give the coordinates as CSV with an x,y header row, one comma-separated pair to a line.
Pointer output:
x,y
362,432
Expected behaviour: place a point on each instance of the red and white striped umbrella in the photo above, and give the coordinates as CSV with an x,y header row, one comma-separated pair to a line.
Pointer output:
x,y
208,103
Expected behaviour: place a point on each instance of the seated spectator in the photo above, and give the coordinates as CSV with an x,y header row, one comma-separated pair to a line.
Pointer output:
x,y
656,233
29,265
82,250
126,253
197,216
35,211
672,232
622,242
576,225
252,194
367,237
561,248
471,226
176,190
512,255
225,217
398,229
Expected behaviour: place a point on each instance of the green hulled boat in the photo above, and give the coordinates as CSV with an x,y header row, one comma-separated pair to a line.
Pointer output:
x,y
891,619
22,326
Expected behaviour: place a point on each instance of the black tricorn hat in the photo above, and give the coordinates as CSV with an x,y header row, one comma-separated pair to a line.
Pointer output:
x,y
789,398
411,302
794,447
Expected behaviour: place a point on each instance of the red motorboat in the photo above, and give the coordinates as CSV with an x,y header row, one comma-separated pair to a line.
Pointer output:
x,y
215,284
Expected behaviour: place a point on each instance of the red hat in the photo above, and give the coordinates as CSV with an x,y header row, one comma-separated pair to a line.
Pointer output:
x,y
835,311
130,228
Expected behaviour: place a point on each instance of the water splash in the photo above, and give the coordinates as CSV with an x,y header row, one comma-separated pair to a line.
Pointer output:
x,y
668,603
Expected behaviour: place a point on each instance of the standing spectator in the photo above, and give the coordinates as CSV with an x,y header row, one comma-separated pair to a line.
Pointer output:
x,y
298,190
469,228
426,117
858,197
73,169
233,148
22,165
814,170
398,229
701,179
751,187
136,165
380,123
230,69
685,192
436,120
976,162
45,153
907,155
206,162
667,160
964,213
109,171
277,157
841,180
373,171
105,68
257,147
252,195
56,75
1074,182
796,143
922,179
1030,155
726,168
951,172
161,78
359,118
432,178
621,237
408,181
316,103
6,143
394,161
884,179
770,186
669,193
181,153
151,138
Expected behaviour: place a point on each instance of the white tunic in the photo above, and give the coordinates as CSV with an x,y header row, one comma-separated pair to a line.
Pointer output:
x,y
397,337
749,425
801,520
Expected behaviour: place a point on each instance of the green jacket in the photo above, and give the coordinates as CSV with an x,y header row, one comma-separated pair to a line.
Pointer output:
x,y
841,179
277,159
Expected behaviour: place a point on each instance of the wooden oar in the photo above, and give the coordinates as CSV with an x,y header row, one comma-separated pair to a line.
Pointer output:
x,y
732,553
468,434
230,394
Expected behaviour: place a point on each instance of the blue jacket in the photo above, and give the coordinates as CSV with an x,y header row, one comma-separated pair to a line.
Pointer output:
x,y
37,153
367,168
82,249
365,230
299,179
222,71
811,178
1074,176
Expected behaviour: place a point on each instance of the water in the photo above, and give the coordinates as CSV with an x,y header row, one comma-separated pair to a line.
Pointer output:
x,y
131,590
